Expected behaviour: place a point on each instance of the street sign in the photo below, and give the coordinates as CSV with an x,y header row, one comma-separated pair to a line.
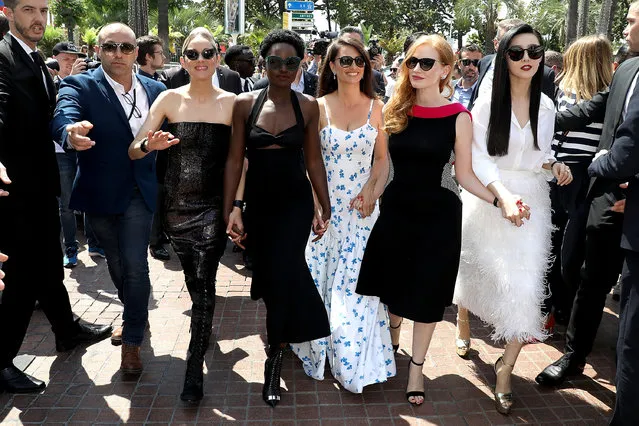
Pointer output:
x,y
301,31
302,24
300,5
300,15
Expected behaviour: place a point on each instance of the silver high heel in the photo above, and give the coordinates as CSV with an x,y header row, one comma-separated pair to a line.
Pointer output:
x,y
503,401
462,346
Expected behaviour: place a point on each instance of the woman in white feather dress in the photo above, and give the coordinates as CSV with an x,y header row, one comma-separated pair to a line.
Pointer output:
x,y
502,266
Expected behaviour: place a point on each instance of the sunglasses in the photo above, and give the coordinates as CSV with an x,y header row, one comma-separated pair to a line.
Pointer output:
x,y
194,55
393,69
516,53
292,63
110,47
467,62
347,61
424,63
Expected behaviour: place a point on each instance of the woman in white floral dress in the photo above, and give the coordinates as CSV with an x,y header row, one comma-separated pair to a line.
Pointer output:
x,y
354,146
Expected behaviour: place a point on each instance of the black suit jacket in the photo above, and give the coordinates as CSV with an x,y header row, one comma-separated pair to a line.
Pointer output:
x,y
26,145
621,163
178,77
606,107
548,86
310,84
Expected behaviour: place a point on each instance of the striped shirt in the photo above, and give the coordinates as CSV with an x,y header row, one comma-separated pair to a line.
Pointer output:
x,y
575,147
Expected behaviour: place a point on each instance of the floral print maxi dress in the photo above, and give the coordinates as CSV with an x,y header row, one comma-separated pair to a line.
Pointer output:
x,y
359,349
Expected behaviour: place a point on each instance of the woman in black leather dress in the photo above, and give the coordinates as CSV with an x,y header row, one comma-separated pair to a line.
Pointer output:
x,y
199,117
277,129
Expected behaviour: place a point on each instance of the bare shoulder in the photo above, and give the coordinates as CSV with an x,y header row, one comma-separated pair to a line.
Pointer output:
x,y
226,97
464,123
243,103
308,104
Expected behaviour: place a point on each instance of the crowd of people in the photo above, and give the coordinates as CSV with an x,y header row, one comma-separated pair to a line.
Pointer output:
x,y
513,186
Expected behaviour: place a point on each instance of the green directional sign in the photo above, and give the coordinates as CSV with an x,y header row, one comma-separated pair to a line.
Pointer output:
x,y
302,16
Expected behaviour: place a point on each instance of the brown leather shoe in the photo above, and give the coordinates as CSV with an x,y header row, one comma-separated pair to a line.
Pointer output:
x,y
116,336
131,362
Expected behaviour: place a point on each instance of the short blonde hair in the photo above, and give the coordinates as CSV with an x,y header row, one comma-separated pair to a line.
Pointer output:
x,y
587,67
199,32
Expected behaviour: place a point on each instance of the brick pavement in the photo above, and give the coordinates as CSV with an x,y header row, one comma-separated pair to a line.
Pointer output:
x,y
85,387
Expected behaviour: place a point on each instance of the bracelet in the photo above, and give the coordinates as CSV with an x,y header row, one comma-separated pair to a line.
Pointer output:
x,y
553,163
495,202
240,204
143,147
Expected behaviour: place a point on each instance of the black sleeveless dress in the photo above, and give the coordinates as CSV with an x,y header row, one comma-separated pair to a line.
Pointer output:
x,y
412,256
194,216
279,216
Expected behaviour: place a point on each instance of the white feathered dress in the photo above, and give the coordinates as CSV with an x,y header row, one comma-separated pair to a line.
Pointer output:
x,y
502,269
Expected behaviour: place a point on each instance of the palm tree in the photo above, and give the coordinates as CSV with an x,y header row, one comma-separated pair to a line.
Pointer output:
x,y
163,23
571,21
606,16
139,17
582,19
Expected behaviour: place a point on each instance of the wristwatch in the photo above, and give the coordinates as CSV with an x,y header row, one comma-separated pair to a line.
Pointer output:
x,y
143,147
239,203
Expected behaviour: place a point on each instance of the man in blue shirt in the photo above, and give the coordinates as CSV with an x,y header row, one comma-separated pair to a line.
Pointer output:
x,y
469,57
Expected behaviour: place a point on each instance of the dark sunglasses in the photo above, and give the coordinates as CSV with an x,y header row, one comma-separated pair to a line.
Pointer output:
x,y
292,63
393,69
194,55
347,61
516,53
110,47
467,62
424,63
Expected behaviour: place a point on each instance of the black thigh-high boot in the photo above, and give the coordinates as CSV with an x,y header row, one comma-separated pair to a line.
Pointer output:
x,y
272,371
203,297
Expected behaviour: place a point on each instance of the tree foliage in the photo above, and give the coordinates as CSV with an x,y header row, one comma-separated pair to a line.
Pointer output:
x,y
52,36
70,13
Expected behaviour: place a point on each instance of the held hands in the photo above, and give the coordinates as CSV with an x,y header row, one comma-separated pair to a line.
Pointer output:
x,y
364,203
515,210
320,224
160,140
78,135
235,227
4,177
562,173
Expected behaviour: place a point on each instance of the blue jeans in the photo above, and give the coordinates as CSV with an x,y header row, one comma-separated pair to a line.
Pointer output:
x,y
68,166
125,240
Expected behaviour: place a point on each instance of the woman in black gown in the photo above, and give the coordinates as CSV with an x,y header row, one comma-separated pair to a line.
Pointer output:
x,y
277,130
199,117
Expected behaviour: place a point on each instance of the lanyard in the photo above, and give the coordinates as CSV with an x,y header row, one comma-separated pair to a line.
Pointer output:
x,y
133,106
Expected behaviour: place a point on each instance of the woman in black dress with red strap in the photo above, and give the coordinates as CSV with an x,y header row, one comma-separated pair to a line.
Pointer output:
x,y
412,256
277,129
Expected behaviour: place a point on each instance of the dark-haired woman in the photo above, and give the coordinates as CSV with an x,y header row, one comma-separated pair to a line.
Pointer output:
x,y
359,349
199,118
277,130
501,275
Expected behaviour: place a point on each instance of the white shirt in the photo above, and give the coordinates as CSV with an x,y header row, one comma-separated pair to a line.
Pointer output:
x,y
141,102
243,82
522,155
215,79
299,87
628,96
29,51
486,86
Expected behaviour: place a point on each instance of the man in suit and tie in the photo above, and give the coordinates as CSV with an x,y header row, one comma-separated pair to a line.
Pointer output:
x,y
29,212
223,78
484,86
241,59
591,244
98,114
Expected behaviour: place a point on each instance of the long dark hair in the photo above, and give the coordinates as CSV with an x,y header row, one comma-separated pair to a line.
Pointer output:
x,y
501,103
328,84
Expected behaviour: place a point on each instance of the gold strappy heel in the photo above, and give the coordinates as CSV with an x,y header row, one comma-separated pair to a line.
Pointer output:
x,y
503,401
462,345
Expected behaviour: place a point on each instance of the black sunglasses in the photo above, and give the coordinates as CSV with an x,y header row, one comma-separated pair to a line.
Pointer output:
x,y
424,63
516,53
347,61
467,62
111,47
292,63
194,55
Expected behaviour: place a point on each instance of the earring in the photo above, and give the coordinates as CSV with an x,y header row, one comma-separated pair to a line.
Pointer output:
x,y
444,77
334,76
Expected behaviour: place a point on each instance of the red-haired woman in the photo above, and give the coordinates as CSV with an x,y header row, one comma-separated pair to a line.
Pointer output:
x,y
421,209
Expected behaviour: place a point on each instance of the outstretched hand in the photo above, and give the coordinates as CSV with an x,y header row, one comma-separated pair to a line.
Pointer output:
x,y
78,135
160,140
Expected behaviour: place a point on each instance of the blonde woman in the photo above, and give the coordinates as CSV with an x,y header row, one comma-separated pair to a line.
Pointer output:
x,y
421,208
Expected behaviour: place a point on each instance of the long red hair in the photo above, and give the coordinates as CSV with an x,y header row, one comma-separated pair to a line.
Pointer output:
x,y
401,103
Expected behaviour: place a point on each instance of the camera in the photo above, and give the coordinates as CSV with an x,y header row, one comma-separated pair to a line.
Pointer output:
x,y
91,64
374,48
320,47
328,34
52,64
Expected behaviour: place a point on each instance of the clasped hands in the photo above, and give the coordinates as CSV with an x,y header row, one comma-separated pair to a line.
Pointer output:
x,y
514,209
